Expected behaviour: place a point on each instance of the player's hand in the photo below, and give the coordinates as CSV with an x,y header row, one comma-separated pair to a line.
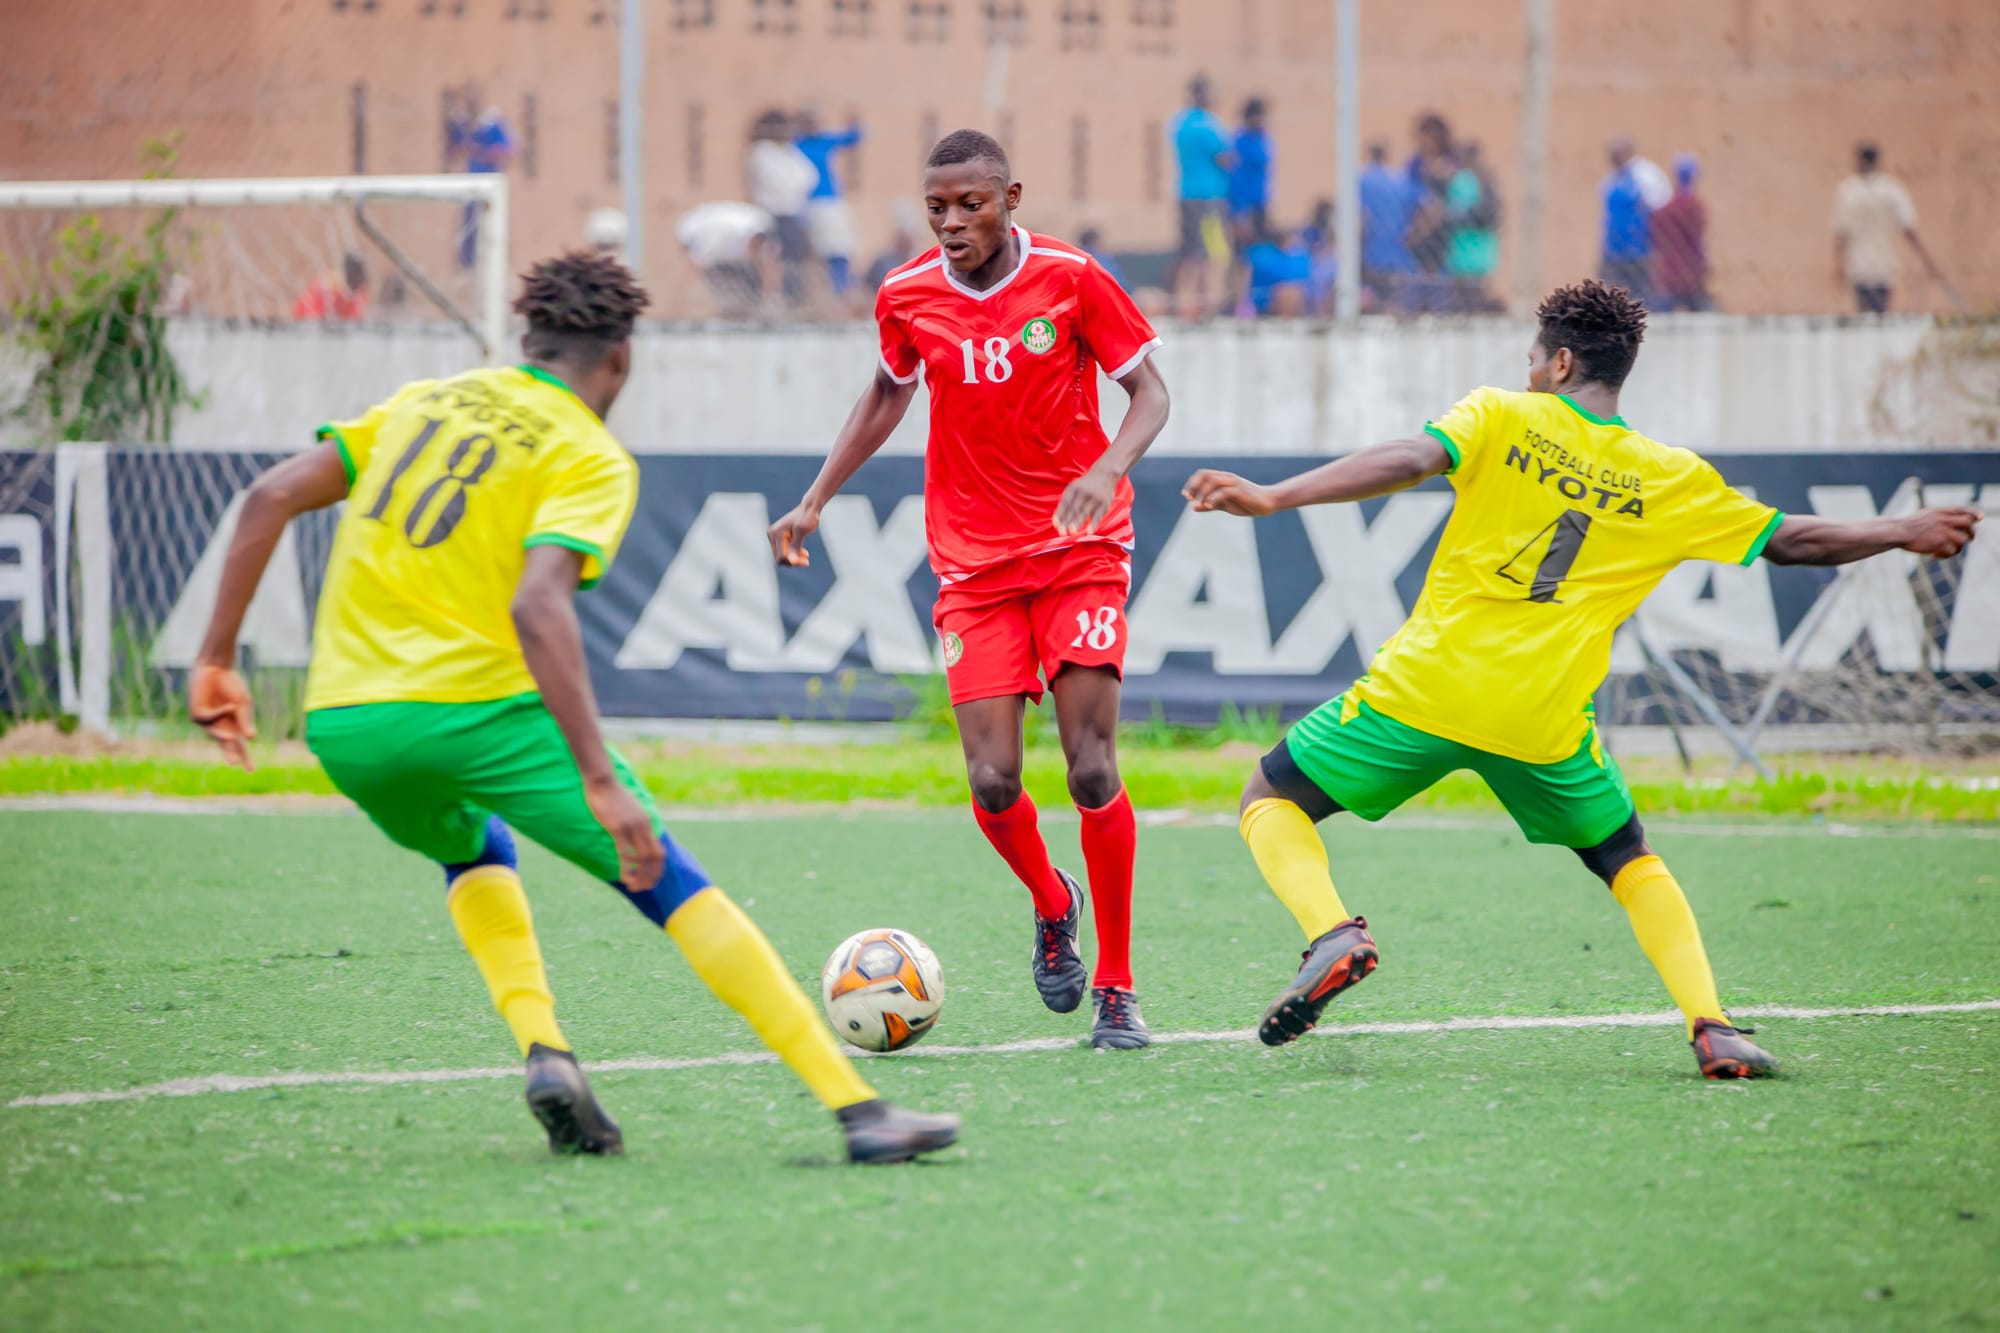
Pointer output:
x,y
640,856
219,703
788,535
1085,501
1942,533
1213,491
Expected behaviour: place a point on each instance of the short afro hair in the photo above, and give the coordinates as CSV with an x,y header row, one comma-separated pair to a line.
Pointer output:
x,y
1601,325
969,146
578,306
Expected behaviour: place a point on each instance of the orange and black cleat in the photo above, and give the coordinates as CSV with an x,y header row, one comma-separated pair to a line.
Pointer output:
x,y
1333,962
1724,1052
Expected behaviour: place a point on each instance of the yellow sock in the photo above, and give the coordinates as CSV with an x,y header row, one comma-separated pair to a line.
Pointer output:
x,y
491,911
1665,926
1292,860
731,955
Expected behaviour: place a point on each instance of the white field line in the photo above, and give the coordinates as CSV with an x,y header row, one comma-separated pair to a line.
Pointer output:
x,y
195,1087
1779,827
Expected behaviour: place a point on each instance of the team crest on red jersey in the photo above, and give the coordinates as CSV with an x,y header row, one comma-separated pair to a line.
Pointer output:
x,y
1039,335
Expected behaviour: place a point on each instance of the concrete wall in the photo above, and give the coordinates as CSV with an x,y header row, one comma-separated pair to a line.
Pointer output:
x,y
1720,384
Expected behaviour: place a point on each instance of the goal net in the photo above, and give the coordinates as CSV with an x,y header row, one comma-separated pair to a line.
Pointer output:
x,y
222,292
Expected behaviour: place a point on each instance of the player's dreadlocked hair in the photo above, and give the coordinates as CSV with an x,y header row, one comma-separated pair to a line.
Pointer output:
x,y
969,146
1601,325
578,306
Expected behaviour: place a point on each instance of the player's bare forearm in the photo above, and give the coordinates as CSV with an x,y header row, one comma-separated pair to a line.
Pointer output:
x,y
1090,497
1802,539
874,419
312,479
1380,469
544,612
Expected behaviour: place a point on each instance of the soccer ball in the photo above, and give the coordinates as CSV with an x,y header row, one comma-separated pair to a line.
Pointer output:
x,y
882,989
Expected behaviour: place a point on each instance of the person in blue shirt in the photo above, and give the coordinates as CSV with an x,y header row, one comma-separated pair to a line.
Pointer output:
x,y
1388,206
1277,274
1202,160
829,220
485,148
1633,190
1250,169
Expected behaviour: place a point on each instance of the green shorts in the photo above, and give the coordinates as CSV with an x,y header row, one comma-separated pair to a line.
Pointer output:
x,y
1354,758
430,774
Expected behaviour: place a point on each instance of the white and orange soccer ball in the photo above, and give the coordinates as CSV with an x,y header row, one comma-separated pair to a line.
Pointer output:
x,y
882,989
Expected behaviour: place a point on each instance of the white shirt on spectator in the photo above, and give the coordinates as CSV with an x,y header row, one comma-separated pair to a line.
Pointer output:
x,y
1871,212
781,178
721,233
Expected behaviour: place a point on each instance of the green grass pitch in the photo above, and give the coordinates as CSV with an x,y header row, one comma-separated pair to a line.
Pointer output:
x,y
1536,1178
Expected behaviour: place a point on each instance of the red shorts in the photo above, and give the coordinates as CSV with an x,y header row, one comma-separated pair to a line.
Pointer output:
x,y
1013,625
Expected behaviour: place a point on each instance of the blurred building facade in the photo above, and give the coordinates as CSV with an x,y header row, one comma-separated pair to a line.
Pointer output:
x,y
1770,95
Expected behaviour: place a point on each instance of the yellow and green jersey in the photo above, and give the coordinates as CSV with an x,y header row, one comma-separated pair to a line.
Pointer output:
x,y
1564,522
450,482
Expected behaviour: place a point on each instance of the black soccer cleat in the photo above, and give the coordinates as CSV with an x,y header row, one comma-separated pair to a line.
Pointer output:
x,y
561,1099
880,1132
1059,972
1333,962
1724,1052
1119,1026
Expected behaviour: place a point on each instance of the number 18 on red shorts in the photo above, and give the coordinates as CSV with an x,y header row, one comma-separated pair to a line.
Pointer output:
x,y
1013,625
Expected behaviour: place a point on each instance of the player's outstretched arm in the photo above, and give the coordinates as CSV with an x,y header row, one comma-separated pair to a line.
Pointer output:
x,y
1089,497
1803,539
217,699
874,418
1380,469
544,613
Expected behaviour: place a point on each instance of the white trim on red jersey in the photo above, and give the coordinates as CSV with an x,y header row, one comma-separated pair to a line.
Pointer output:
x,y
946,578
1027,249
910,378
1133,364
894,278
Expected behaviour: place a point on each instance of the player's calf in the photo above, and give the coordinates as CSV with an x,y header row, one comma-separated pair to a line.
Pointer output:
x,y
561,1099
1340,958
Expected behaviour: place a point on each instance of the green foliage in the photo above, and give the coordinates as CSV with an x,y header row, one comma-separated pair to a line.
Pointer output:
x,y
97,331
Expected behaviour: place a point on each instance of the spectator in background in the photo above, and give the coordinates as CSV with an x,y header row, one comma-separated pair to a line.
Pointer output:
x,y
1324,248
1277,275
1431,170
335,298
606,230
1472,232
1680,243
1201,162
1388,207
730,244
1872,213
483,147
781,180
1632,192
1091,242
829,220
902,248
1250,169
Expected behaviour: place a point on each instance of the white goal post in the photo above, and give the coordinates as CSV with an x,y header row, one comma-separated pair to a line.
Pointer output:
x,y
487,190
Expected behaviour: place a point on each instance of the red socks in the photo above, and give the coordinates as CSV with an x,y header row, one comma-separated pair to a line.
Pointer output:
x,y
1016,835
1110,843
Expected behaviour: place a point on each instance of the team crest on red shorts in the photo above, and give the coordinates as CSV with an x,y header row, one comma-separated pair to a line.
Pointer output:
x,y
954,648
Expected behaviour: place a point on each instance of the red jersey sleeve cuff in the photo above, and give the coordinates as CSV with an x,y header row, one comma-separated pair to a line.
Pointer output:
x,y
890,371
1147,349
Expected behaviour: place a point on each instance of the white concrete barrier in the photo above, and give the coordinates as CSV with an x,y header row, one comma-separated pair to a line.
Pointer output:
x,y
1721,384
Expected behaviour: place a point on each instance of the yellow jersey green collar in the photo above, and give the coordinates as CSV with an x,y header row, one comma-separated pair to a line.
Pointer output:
x,y
537,373
1589,415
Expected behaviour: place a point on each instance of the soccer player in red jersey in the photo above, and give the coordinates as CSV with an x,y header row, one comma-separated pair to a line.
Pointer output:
x,y
1028,513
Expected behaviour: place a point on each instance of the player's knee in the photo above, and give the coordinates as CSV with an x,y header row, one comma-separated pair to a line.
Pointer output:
x,y
1093,780
497,851
994,787
1616,852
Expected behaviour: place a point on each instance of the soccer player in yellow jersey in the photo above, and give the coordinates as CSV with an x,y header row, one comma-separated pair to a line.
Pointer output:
x,y
1566,518
448,695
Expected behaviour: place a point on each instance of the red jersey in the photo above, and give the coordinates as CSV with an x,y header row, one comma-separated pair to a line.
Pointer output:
x,y
1012,373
